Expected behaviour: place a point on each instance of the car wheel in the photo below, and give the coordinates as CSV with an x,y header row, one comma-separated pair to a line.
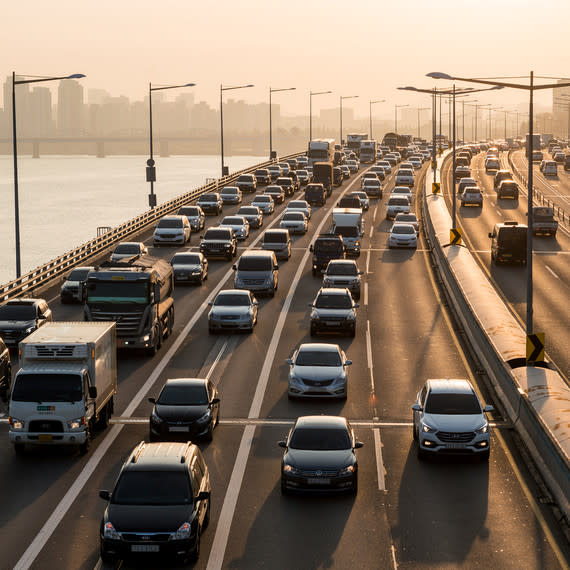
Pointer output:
x,y
352,331
207,515
354,488
210,433
195,553
422,456
414,430
284,490
313,330
84,447
229,257
106,558
211,330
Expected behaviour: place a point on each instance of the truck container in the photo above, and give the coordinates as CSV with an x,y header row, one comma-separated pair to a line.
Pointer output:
x,y
353,141
348,223
137,295
320,150
535,144
368,151
323,173
66,385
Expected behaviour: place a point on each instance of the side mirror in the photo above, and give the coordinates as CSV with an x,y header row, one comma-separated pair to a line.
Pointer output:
x,y
201,237
203,496
210,304
105,495
276,267
152,400
358,445
282,443
490,235
360,272
255,303
92,392
234,267
417,408
310,248
489,408
289,361
215,401
348,362
356,305
310,305
64,278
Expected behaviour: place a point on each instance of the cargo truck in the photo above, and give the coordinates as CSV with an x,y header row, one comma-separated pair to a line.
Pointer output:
x,y
137,295
543,222
348,223
323,173
368,151
320,150
66,385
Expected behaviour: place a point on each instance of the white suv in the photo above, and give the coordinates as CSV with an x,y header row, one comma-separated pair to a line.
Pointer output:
x,y
448,418
172,230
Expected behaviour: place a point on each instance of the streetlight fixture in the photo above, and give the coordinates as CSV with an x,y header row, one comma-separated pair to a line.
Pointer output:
x,y
342,97
151,169
311,94
225,170
396,107
373,103
270,123
15,153
531,88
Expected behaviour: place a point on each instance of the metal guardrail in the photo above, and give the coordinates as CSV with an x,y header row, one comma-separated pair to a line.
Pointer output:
x,y
539,197
45,274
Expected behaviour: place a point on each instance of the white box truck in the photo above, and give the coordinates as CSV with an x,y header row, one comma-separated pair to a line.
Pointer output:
x,y
348,223
66,385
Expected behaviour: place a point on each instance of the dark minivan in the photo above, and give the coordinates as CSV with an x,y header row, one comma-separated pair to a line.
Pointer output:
x,y
508,243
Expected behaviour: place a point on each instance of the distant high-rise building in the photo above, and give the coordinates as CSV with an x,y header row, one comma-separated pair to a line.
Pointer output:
x,y
41,117
561,110
70,109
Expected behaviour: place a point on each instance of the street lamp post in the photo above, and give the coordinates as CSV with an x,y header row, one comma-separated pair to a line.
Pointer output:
x,y
531,88
396,107
342,98
311,95
15,154
222,89
270,122
372,103
151,169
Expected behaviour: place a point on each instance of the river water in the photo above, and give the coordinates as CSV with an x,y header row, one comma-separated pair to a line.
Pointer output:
x,y
63,199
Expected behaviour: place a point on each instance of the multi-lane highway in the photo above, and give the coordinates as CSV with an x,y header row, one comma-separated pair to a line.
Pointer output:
x,y
407,514
551,272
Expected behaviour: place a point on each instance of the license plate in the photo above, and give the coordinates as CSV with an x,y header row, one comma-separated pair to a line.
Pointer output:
x,y
318,481
145,548
333,323
455,446
179,428
45,437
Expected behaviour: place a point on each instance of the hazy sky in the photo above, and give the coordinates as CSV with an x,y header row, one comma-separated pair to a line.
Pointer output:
x,y
366,48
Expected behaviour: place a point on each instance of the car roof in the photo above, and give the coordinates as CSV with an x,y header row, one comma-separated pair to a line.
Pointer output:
x,y
342,262
225,292
321,422
333,291
26,301
164,456
257,253
450,386
186,381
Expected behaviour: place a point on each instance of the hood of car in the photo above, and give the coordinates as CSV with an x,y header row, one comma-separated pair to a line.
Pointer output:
x,y
148,518
449,422
182,413
319,460
317,372
230,310
186,267
168,231
10,325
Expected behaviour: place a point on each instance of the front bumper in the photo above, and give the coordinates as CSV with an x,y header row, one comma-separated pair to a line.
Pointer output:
x,y
229,324
430,443
136,546
325,482
43,438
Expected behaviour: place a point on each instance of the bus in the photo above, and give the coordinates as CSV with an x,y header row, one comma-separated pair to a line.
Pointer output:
x,y
321,150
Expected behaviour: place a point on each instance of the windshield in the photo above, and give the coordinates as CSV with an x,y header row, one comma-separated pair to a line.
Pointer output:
x,y
261,172
245,178
262,200
230,191
217,234
318,358
189,211
341,269
170,224
326,301
328,245
232,221
132,248
249,263
543,214
183,395
398,202
186,259
17,313
297,204
248,211
294,217
232,300
452,404
271,237
346,231
320,439
208,198
319,153
117,292
403,229
511,237
78,275
153,488
47,388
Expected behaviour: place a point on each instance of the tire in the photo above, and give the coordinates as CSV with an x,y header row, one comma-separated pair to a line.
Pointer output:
x,y
105,416
284,490
212,330
195,554
313,331
207,515
84,447
106,558
421,454
352,331
152,350
414,430
354,489
210,433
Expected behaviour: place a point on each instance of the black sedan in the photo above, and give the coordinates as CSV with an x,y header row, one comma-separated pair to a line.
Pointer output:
x,y
187,408
319,456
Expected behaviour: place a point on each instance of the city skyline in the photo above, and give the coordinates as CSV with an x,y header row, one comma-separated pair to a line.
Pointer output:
x,y
367,51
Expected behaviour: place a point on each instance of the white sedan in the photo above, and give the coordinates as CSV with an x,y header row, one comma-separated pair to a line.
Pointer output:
x,y
239,224
403,235
300,206
295,222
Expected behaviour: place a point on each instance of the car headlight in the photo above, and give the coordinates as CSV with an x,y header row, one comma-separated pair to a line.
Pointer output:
x,y
289,469
77,423
205,418
183,532
196,272
327,282
30,329
483,429
357,243
428,429
17,425
155,418
315,315
110,532
351,317
347,470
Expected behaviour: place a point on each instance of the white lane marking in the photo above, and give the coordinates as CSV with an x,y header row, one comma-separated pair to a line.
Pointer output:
x,y
371,230
365,294
379,461
368,261
64,505
217,359
369,348
394,562
371,369
374,215
217,553
551,272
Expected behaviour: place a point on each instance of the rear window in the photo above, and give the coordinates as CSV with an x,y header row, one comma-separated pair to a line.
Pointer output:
x,y
189,211
271,237
171,223
208,198
217,234
245,178
452,404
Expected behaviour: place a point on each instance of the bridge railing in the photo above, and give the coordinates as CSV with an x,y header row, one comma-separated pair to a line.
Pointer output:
x,y
45,274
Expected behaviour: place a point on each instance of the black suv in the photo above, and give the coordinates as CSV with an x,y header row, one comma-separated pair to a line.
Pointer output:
x,y
20,317
5,370
210,203
333,310
160,504
316,194
219,242
325,248
287,184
